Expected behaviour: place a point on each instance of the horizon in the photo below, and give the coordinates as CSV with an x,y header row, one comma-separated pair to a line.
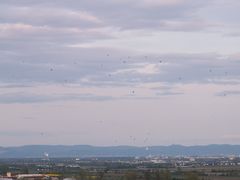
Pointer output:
x,y
112,72
106,146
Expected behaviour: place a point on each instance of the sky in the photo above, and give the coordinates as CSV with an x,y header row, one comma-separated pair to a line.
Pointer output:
x,y
119,72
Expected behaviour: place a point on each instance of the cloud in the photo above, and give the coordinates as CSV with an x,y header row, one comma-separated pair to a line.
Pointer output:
x,y
22,98
163,2
47,93
187,25
169,93
105,67
45,16
9,86
48,34
233,34
41,47
232,136
130,14
228,93
140,68
25,133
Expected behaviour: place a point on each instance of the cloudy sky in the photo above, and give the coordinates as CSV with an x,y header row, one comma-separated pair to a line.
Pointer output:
x,y
119,72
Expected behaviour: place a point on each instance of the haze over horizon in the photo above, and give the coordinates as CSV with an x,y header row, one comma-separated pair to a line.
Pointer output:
x,y
119,72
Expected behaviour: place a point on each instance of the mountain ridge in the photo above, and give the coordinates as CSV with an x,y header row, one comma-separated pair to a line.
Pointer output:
x,y
37,151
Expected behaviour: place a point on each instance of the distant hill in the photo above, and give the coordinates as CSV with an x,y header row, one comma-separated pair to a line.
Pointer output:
x,y
37,151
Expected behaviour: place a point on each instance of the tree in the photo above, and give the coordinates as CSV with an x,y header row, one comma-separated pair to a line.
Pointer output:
x,y
82,175
191,176
3,169
147,175
165,175
100,175
131,176
157,175
25,170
